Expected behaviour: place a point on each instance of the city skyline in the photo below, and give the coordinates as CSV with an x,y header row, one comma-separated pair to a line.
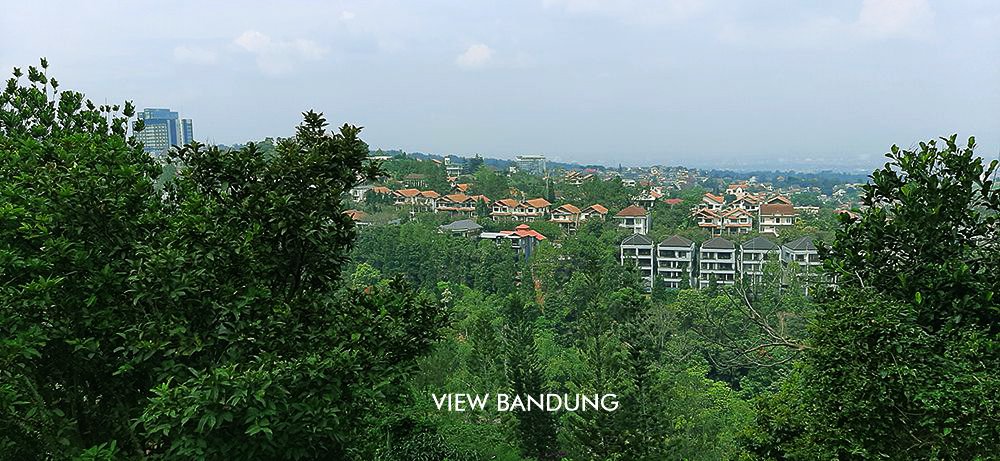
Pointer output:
x,y
741,85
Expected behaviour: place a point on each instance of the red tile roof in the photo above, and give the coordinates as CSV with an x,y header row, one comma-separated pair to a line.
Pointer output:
x,y
674,201
777,209
631,211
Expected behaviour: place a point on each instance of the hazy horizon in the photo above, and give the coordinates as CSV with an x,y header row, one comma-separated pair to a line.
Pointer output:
x,y
701,83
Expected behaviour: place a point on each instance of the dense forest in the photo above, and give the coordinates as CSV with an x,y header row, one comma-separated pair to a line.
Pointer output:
x,y
232,311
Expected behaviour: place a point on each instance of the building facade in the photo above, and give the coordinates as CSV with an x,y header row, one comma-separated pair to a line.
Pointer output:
x,y
675,262
163,129
717,262
637,251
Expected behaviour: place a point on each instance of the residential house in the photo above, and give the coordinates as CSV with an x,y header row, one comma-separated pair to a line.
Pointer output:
x,y
675,262
748,202
567,216
358,192
456,204
637,251
504,209
634,218
774,217
532,210
647,198
739,189
737,221
523,239
754,253
464,227
426,200
717,262
709,220
596,210
713,202
415,180
406,197
359,217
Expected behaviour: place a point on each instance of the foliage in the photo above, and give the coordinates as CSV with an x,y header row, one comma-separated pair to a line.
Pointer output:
x,y
207,320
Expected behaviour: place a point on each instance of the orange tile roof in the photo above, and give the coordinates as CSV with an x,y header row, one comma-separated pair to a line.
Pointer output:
x,y
598,208
408,192
381,190
570,208
481,197
457,198
429,194
356,215
674,201
462,187
509,202
538,202
714,198
631,211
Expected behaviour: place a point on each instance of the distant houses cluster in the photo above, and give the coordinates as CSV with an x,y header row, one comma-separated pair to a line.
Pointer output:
x,y
678,263
745,212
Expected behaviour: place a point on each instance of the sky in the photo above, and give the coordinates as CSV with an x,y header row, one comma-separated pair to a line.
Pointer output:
x,y
705,83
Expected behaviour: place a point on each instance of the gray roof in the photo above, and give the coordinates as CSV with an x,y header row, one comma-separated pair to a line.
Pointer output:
x,y
759,243
463,225
718,243
676,241
637,239
801,244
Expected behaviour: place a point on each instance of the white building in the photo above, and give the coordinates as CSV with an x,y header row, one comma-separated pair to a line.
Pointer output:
x,y
717,261
633,218
754,253
637,251
675,262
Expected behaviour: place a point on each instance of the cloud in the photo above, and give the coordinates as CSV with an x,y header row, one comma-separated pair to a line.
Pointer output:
x,y
276,57
876,20
347,15
476,56
194,55
633,11
891,18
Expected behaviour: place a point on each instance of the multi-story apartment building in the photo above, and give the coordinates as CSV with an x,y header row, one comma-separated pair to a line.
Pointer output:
x,y
637,251
523,239
533,164
163,128
634,218
716,262
675,262
754,253
802,252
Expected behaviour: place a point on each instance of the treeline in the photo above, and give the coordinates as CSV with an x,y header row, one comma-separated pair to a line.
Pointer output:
x,y
235,312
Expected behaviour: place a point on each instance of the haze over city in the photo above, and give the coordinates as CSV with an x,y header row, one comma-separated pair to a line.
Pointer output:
x,y
745,84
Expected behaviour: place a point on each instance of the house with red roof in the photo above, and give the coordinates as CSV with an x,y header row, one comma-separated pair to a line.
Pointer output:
x,y
634,218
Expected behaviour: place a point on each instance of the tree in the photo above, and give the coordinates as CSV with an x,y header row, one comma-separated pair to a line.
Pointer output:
x,y
207,320
903,361
536,429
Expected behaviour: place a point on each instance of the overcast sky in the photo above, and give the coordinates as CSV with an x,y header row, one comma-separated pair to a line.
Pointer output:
x,y
692,82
